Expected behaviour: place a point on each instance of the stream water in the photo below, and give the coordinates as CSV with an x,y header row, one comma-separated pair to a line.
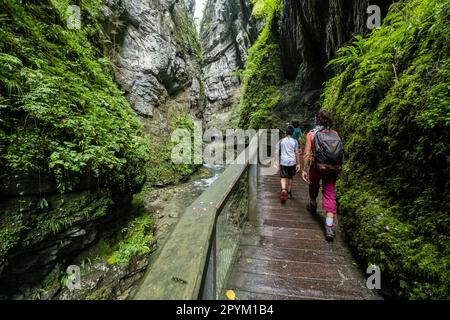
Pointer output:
x,y
168,204
202,184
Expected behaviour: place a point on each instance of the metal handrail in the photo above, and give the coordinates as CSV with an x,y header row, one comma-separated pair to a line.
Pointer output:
x,y
185,268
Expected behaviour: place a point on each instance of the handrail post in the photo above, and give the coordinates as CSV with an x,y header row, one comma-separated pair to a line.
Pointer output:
x,y
253,182
210,284
252,192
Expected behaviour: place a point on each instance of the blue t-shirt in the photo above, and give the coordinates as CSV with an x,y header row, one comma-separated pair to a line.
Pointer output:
x,y
288,148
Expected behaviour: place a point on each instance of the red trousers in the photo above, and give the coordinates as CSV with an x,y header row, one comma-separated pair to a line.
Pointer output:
x,y
328,188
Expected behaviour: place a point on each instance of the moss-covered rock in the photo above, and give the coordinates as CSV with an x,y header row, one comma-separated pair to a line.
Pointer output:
x,y
71,147
61,112
391,105
263,74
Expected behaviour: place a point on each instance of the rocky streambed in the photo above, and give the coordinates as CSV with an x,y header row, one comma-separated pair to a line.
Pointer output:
x,y
112,268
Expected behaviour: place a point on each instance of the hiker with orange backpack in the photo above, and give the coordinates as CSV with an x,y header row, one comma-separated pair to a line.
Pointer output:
x,y
324,149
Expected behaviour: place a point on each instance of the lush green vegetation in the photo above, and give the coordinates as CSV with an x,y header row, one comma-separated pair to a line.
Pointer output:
x,y
263,75
62,119
27,222
137,238
162,171
392,106
61,112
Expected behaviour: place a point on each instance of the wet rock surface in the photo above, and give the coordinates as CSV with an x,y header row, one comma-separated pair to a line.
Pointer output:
x,y
156,49
311,33
101,280
54,236
228,30
169,203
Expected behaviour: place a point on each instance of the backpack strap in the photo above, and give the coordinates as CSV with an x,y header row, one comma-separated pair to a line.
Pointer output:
x,y
318,129
315,131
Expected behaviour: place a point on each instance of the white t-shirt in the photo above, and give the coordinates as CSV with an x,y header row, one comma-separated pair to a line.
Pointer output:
x,y
288,148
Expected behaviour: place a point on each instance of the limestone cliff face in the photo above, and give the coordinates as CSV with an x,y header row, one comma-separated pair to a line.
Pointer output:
x,y
156,50
311,33
227,31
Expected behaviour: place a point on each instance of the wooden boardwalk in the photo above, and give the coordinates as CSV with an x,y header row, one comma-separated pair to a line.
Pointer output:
x,y
285,256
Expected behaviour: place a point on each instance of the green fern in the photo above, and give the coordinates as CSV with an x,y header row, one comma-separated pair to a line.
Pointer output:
x,y
11,86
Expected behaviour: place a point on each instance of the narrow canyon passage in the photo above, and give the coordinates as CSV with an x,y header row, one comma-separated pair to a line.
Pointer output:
x,y
91,93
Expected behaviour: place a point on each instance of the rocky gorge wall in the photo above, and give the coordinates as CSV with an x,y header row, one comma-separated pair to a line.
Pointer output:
x,y
156,52
228,30
391,105
304,37
311,33
162,63
82,175
387,90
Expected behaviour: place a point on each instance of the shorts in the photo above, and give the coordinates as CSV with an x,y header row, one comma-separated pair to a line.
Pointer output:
x,y
288,171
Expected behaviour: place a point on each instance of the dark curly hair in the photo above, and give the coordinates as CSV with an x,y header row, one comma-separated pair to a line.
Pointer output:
x,y
324,118
290,130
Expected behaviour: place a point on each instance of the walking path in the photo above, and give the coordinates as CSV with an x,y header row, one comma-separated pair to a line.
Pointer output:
x,y
285,256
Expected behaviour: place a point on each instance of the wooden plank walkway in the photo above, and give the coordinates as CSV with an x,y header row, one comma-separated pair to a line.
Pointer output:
x,y
286,256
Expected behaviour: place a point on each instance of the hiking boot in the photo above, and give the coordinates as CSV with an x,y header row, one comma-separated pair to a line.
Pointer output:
x,y
283,196
290,195
330,233
312,208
